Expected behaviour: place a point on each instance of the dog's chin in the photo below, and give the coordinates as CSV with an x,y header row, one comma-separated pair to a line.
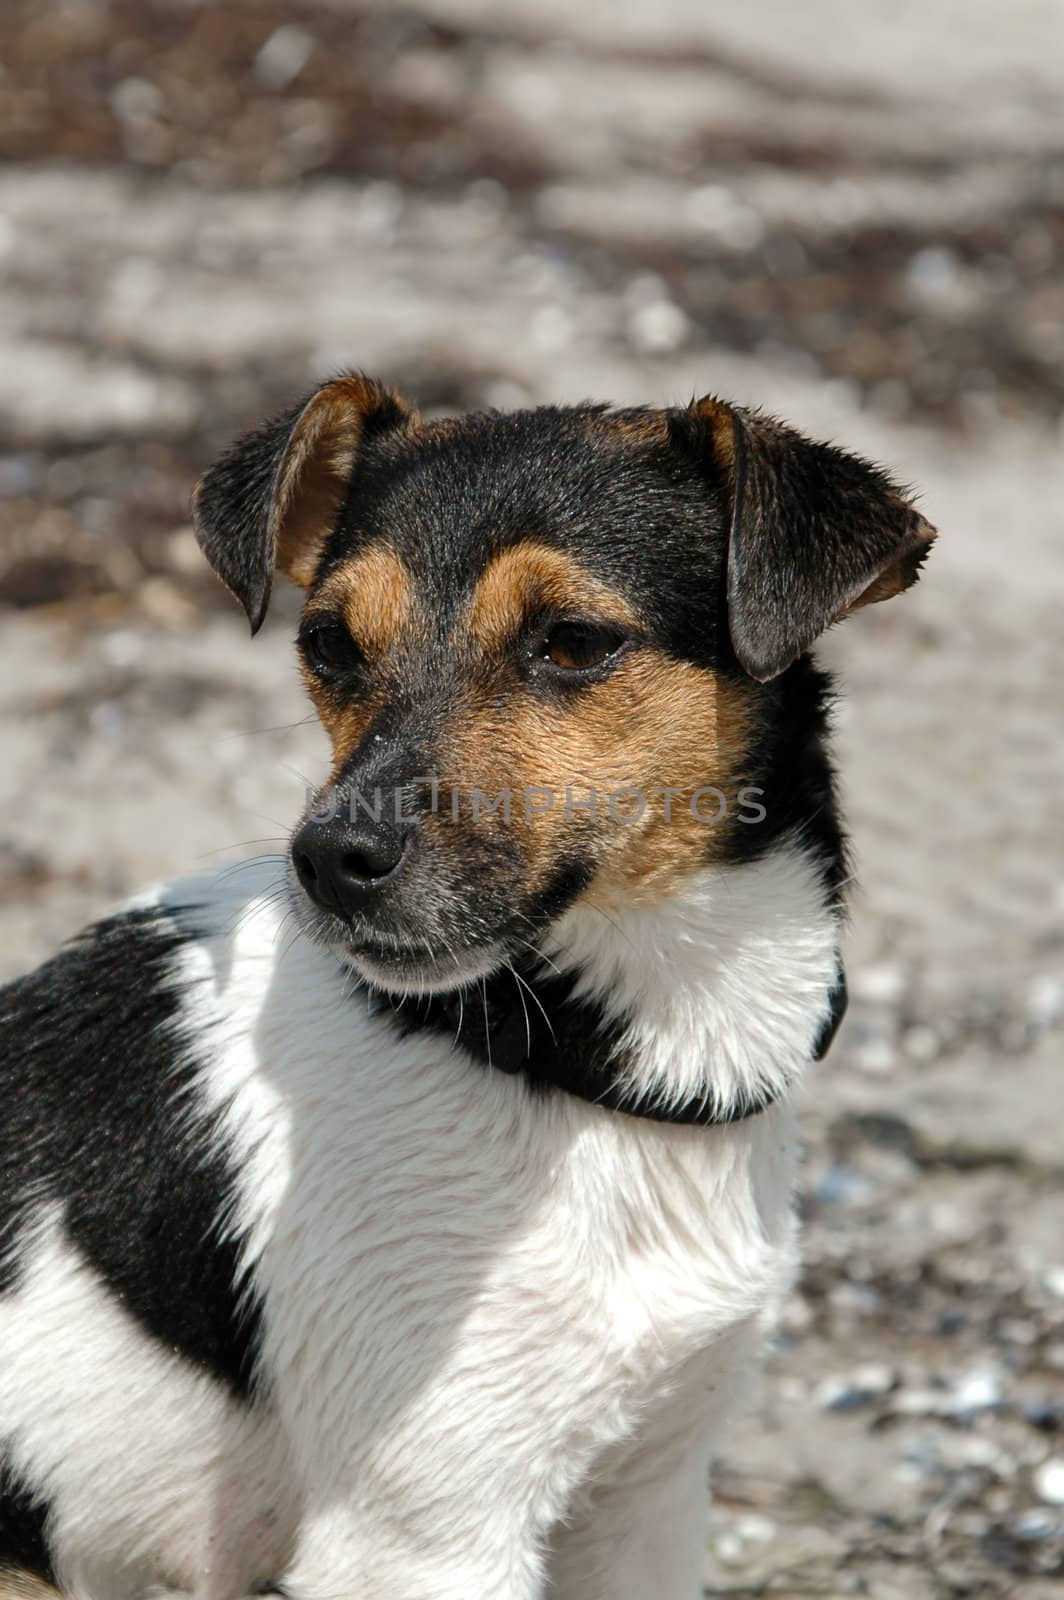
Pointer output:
x,y
394,964
411,970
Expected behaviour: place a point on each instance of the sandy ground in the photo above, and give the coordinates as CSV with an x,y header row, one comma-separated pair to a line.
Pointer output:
x,y
854,216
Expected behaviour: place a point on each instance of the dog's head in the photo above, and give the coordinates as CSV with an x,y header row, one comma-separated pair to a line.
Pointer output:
x,y
552,649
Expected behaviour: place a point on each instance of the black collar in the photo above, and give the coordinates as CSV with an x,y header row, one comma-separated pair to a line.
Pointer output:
x,y
524,1022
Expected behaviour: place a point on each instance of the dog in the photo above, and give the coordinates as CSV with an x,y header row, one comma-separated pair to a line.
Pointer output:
x,y
404,1216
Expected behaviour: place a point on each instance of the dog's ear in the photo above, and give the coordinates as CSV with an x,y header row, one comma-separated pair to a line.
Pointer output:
x,y
272,500
813,532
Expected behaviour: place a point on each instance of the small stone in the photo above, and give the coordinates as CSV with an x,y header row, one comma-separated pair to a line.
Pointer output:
x,y
875,1056
1044,1415
108,721
283,56
1049,1481
730,1549
838,1394
978,1390
137,100
721,213
920,1461
920,1403
867,1384
552,327
658,328
843,1186
882,983
849,1301
1032,1527
19,475
938,278
1045,1000
739,1543
875,1378
978,1451
756,1530
1053,1279
122,647
921,1043
1018,1330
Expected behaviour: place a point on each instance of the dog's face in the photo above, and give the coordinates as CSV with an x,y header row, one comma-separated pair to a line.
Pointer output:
x,y
548,649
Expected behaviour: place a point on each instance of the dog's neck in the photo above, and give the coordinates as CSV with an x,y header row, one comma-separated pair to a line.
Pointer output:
x,y
701,1009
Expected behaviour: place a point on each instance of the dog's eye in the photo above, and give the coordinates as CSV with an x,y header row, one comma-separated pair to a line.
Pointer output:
x,y
577,646
329,650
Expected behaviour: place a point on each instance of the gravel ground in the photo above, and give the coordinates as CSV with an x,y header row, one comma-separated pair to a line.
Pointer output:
x,y
856,221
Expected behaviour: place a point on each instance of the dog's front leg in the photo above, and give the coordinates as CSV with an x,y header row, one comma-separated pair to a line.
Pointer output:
x,y
352,1556
640,1534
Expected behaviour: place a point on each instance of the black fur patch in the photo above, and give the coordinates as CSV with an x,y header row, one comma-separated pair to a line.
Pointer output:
x,y
96,1069
524,1020
789,766
521,1022
23,1518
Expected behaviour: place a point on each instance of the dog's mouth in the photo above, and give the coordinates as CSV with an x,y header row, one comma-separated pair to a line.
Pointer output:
x,y
432,940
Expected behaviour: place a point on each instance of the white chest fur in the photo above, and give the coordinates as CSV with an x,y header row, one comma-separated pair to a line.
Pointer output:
x,y
475,1296
500,1330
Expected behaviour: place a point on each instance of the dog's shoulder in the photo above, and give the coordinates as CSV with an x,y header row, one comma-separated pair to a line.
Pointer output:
x,y
107,1133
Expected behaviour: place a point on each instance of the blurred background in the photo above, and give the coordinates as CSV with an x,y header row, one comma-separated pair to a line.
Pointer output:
x,y
853,215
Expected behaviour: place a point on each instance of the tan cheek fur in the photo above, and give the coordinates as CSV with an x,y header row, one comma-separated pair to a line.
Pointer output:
x,y
345,722
655,724
374,594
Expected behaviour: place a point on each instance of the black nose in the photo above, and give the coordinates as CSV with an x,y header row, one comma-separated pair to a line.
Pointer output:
x,y
342,869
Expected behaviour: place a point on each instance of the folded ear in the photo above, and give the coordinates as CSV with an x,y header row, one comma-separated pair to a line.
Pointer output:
x,y
272,500
813,532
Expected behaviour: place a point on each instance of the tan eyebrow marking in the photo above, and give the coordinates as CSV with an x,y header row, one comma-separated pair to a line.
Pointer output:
x,y
527,577
374,593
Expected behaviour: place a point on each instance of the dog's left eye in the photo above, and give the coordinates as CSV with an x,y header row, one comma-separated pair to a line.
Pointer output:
x,y
330,651
577,646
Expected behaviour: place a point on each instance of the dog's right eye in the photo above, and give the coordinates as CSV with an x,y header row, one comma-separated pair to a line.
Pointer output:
x,y
329,651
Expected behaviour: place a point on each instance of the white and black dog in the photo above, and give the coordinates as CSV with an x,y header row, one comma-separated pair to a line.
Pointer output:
x,y
401,1218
